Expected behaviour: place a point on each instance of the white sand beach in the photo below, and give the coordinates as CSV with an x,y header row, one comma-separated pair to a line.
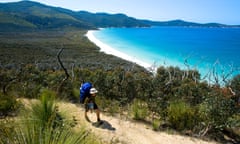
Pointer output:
x,y
109,50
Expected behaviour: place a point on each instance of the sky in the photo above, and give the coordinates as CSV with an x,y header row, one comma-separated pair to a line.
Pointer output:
x,y
201,11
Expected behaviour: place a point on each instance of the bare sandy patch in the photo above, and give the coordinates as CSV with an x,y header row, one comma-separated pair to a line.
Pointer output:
x,y
115,130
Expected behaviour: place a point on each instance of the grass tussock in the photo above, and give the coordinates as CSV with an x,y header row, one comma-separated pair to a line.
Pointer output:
x,y
42,123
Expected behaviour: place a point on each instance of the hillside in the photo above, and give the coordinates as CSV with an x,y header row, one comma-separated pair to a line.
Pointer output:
x,y
18,49
28,15
182,23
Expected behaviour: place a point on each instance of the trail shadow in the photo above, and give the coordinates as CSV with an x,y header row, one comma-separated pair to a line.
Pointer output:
x,y
104,125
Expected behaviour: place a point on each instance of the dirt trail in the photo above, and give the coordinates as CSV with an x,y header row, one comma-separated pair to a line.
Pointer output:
x,y
120,131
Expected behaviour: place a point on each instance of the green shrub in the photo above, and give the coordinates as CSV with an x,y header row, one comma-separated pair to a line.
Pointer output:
x,y
110,106
75,95
139,110
234,121
181,115
8,104
30,131
234,124
216,111
45,110
156,124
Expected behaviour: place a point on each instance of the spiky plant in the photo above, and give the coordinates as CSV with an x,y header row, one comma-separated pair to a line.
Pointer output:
x,y
42,123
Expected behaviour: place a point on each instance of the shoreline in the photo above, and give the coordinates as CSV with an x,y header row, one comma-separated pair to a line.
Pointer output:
x,y
204,69
109,50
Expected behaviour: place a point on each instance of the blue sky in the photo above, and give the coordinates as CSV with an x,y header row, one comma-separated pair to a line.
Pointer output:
x,y
202,11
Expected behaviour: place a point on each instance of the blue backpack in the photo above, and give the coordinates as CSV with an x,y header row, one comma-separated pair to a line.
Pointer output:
x,y
85,91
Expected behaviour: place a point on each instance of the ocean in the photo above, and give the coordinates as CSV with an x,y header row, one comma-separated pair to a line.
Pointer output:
x,y
205,49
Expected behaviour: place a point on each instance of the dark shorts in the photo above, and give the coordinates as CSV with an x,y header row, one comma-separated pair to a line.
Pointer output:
x,y
89,106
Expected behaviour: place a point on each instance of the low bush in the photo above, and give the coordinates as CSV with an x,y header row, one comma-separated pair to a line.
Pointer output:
x,y
139,110
8,105
217,113
156,124
181,115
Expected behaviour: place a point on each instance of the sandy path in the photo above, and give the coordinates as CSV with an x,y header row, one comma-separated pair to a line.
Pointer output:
x,y
115,130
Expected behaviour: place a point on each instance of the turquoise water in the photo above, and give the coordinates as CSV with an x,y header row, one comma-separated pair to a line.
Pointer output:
x,y
201,48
